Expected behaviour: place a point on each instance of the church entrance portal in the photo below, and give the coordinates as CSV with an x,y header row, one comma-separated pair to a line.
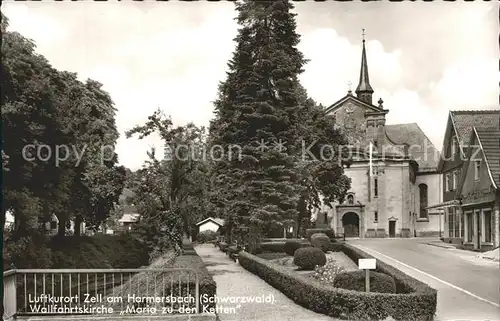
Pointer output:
x,y
350,222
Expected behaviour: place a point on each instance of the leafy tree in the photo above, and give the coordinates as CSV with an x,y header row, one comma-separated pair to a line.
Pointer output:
x,y
170,194
30,115
322,165
44,106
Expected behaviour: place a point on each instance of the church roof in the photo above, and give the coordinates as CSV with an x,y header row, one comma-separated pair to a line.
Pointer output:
x,y
465,120
421,148
343,100
489,140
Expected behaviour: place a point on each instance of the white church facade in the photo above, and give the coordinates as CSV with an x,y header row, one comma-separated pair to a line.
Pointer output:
x,y
392,200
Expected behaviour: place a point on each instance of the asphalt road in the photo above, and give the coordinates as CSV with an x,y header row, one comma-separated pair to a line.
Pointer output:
x,y
468,287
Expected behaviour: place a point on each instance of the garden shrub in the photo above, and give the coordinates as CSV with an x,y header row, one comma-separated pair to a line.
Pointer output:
x,y
272,256
292,245
419,305
223,246
321,241
335,247
207,236
232,251
189,252
404,282
258,250
308,258
355,280
187,245
207,285
98,251
327,272
277,246
29,252
328,231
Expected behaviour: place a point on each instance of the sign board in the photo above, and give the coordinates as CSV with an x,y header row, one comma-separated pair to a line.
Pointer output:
x,y
367,264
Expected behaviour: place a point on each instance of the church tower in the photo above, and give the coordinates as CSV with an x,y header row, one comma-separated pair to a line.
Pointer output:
x,y
364,91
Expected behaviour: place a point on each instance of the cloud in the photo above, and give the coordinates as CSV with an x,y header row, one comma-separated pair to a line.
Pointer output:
x,y
334,62
45,30
471,83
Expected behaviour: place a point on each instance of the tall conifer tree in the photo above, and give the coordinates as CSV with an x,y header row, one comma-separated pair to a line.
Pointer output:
x,y
261,109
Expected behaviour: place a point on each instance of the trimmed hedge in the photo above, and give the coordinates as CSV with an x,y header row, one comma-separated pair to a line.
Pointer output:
x,y
404,282
189,252
87,252
308,258
223,246
355,280
207,284
321,241
329,232
276,247
207,236
292,245
272,256
416,301
187,244
335,247
232,251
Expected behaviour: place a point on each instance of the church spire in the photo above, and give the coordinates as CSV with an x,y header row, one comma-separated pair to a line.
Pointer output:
x,y
364,91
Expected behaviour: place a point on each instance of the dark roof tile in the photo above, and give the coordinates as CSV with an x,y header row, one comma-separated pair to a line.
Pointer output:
x,y
490,141
464,120
420,147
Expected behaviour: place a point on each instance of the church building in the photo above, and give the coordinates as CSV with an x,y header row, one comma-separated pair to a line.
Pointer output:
x,y
394,172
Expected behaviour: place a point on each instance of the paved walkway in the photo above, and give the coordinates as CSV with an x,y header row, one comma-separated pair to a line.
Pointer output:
x,y
234,281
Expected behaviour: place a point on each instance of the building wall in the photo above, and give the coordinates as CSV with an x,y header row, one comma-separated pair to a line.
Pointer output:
x,y
394,200
471,185
208,226
479,196
434,224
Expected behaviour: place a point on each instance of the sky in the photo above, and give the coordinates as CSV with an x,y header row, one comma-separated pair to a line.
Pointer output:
x,y
424,59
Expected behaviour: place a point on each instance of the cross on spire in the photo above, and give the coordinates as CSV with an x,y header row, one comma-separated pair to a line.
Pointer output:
x,y
363,34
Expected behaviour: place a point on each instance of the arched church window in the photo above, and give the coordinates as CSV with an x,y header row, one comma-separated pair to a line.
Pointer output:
x,y
423,200
350,199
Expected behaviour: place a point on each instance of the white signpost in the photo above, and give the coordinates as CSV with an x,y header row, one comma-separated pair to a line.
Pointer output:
x,y
367,265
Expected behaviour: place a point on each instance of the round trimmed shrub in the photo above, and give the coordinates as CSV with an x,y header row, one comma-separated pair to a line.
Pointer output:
x,y
355,280
293,245
308,258
328,231
321,241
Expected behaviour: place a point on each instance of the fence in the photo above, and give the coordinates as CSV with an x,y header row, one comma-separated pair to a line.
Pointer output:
x,y
100,291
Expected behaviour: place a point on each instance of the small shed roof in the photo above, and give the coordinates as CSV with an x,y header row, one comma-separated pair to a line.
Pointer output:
x,y
129,218
218,221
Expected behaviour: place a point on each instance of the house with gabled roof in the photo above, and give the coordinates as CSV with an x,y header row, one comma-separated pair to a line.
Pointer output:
x,y
394,171
479,190
457,140
210,224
